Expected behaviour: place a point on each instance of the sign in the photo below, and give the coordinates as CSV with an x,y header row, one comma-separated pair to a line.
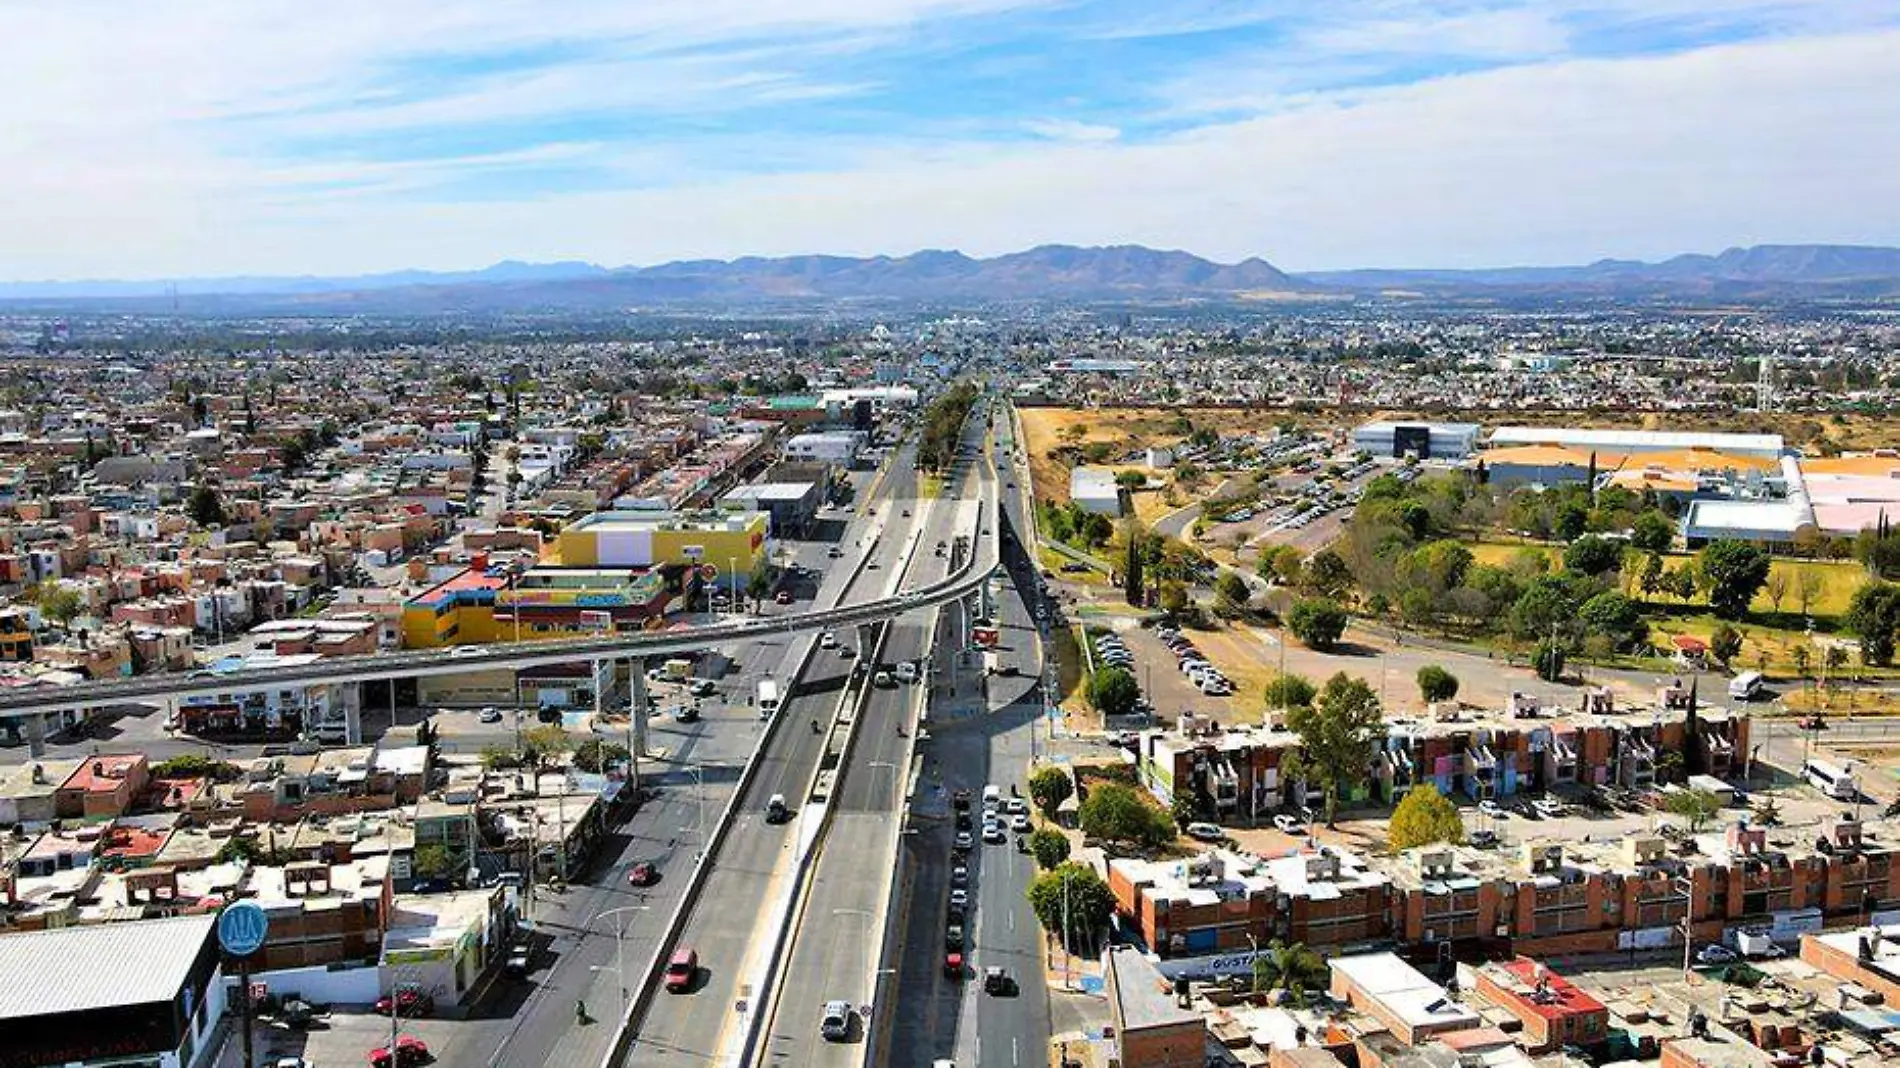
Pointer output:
x,y
241,928
708,572
693,552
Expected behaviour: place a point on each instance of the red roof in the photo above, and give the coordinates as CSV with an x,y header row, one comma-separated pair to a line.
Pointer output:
x,y
1689,643
98,773
1562,998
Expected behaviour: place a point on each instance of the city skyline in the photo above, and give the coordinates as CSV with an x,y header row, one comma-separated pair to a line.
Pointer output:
x,y
197,142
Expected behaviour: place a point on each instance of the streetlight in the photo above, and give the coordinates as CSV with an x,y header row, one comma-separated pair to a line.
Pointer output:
x,y
620,931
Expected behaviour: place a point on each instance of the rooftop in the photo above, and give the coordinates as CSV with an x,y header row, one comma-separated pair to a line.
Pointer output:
x,y
1404,990
1142,994
77,969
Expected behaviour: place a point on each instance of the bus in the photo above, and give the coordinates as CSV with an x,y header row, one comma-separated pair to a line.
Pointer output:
x,y
1836,783
768,697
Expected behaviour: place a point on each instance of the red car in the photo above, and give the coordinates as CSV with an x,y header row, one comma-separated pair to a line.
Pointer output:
x,y
784,597
643,875
409,1051
1812,723
406,1003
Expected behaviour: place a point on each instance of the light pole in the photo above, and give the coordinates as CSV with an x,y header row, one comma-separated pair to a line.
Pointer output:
x,y
620,932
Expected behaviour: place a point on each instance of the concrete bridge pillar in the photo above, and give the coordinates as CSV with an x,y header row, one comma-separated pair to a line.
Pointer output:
x,y
638,707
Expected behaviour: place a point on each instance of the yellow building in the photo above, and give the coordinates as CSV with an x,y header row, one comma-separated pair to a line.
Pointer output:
x,y
730,544
544,604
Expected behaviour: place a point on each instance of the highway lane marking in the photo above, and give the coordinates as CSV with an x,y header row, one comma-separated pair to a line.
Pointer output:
x,y
1013,1057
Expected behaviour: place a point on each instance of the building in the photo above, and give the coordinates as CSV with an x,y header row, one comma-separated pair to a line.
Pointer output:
x,y
791,505
729,543
1093,489
1221,902
68,996
1413,1008
1865,957
1152,1028
16,636
1427,441
1621,442
103,786
442,943
839,447
1553,1011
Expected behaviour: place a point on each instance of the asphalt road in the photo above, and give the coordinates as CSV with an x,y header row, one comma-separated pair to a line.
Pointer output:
x,y
835,949
689,1028
954,1018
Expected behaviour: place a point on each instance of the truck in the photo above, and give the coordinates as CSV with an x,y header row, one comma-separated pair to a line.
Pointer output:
x,y
996,663
678,669
1757,945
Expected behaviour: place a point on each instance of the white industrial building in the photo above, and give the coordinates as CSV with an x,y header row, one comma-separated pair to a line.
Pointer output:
x,y
1779,519
1427,441
1764,446
839,447
879,396
1093,489
1094,366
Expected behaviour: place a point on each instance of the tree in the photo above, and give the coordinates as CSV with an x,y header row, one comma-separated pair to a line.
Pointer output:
x,y
1808,584
294,456
1803,660
1725,642
1682,582
1282,565
1874,615
1293,968
1113,691
1548,660
1327,574
596,756
541,746
1732,572
1131,568
1115,813
1651,578
1049,787
1073,903
205,507
1696,806
1767,812
1291,691
1337,735
1613,616
1049,846
1183,810
1231,594
239,848
1435,684
1424,816
193,766
1570,522
432,861
199,412
1776,587
1652,532
759,583
59,603
1593,554
1318,623
1174,597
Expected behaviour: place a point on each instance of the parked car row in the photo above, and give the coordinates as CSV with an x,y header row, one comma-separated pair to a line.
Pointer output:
x,y
999,815
1204,675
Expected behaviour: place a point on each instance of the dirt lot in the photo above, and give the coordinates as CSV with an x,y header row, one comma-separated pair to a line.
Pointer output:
x,y
1126,429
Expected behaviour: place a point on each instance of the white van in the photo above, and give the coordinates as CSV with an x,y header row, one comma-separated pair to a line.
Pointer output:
x,y
768,697
1745,687
992,797
906,671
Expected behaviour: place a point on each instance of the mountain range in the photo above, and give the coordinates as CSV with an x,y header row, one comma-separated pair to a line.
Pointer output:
x,y
1047,272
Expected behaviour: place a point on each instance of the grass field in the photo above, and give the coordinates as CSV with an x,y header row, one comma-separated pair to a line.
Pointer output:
x,y
1839,578
1127,428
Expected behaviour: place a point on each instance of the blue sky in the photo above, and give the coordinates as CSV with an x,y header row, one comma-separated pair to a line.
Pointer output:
x,y
191,137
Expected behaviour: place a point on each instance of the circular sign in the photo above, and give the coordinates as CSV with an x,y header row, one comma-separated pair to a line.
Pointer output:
x,y
708,572
241,928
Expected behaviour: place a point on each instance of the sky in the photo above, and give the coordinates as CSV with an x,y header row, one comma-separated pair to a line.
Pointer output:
x,y
190,138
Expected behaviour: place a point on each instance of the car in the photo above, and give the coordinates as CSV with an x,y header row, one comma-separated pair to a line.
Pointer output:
x,y
997,982
290,1062
964,840
960,875
834,552
1482,839
1288,824
702,688
681,969
1491,808
782,597
884,680
1716,955
686,713
836,1022
827,640
490,715
408,1002
994,834
960,799
1019,823
520,957
1206,832
409,1051
1548,806
1016,806
960,898
953,939
643,874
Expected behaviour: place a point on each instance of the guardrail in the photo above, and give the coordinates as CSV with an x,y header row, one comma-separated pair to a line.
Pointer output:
x,y
466,658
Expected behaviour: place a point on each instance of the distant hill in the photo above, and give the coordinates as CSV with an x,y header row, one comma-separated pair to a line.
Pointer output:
x,y
1045,273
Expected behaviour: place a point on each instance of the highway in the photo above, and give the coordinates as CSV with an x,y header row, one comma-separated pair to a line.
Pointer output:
x,y
725,925
841,926
532,1022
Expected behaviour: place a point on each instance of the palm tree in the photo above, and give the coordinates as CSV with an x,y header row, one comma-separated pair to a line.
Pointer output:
x,y
1295,969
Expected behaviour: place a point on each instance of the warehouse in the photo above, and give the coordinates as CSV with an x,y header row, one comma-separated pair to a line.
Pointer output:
x,y
839,447
1583,439
1427,441
792,505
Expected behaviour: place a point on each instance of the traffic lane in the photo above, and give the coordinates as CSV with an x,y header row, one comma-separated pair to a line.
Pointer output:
x,y
879,746
1014,1025
836,952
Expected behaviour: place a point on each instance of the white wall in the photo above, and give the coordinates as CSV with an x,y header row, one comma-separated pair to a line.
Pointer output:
x,y
325,986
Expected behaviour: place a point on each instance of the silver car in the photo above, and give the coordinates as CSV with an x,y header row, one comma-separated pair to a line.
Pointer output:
x,y
836,1026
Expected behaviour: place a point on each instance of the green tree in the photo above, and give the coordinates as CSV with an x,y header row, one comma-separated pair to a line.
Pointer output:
x,y
1725,642
1293,968
240,848
1115,813
194,766
1808,586
1732,572
1424,816
59,603
1545,606
204,506
1776,587
499,758
1049,787
759,583
1283,565
1327,574
1316,622
1593,554
544,746
1652,532
1337,735
1696,806
1614,616
1682,582
432,861
1174,597
1183,810
596,756
1548,660
1113,691
1874,616
1570,521
1230,594
1803,660
1291,691
1651,579
1049,846
1436,684
1072,903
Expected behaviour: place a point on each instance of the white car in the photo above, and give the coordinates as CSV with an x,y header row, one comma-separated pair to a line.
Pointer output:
x,y
1548,806
1716,955
1016,806
1289,824
827,640
1205,832
1491,808
1019,823
994,834
490,715
960,898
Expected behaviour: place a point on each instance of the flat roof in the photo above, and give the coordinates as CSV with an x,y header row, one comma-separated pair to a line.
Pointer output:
x,y
1404,990
1380,426
1140,994
79,969
1634,440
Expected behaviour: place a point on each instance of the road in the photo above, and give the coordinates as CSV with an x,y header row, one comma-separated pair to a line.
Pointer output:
x,y
973,744
533,1023
725,922
840,932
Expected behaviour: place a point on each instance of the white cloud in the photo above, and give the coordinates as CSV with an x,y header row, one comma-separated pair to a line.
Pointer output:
x,y
1070,130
